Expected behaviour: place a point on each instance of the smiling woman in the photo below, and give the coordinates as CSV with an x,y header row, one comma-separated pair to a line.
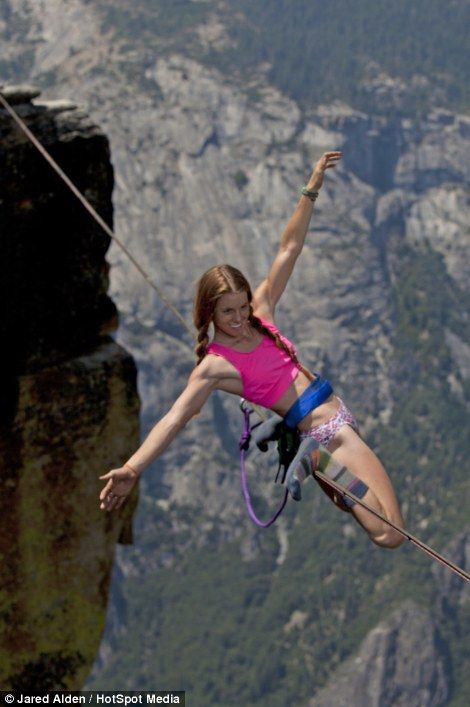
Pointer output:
x,y
248,356
262,363
232,311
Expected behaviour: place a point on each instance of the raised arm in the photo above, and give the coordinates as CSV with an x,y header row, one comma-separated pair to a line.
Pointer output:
x,y
202,381
267,295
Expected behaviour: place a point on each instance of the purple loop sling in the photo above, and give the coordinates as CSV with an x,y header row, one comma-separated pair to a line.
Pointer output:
x,y
243,445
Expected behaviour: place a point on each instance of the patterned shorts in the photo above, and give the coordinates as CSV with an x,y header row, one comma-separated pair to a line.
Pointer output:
x,y
325,432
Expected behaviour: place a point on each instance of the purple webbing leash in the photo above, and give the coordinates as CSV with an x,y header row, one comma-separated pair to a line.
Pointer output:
x,y
243,445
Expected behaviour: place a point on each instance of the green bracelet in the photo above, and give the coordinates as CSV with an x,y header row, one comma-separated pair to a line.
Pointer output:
x,y
312,195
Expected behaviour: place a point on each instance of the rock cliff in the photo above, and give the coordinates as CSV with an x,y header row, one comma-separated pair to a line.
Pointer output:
x,y
69,406
400,663
405,659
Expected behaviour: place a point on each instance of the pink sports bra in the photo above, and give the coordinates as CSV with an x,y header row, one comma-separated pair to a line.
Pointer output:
x,y
266,372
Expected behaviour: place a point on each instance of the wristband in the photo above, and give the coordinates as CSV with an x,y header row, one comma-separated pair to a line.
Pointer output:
x,y
131,468
312,195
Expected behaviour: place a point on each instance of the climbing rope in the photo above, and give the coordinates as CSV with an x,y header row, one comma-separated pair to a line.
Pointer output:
x,y
404,533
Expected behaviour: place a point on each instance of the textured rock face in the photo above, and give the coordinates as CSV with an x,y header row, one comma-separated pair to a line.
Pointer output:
x,y
400,663
69,404
404,660
54,280
453,594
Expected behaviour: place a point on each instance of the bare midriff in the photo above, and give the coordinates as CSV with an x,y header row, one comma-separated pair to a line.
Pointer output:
x,y
318,416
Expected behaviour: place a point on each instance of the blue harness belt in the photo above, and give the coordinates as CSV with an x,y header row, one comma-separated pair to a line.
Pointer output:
x,y
317,392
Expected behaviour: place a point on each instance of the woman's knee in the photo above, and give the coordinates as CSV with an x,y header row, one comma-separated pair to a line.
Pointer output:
x,y
389,538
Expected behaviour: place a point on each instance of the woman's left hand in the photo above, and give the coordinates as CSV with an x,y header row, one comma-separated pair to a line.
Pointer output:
x,y
326,161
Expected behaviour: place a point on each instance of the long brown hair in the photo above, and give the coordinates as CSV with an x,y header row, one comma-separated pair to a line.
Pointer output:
x,y
221,280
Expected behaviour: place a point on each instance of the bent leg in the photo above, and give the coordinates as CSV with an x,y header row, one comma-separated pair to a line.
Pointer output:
x,y
350,450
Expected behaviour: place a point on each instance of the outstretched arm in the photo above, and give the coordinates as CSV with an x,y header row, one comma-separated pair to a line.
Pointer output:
x,y
120,481
270,290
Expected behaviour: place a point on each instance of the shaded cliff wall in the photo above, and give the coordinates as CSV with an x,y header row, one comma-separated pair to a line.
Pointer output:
x,y
69,405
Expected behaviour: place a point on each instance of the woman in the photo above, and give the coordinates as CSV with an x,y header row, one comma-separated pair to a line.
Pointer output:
x,y
249,357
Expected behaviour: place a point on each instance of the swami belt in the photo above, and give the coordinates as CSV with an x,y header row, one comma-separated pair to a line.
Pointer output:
x,y
317,392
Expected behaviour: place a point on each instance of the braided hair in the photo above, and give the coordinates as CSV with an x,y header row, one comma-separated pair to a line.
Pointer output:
x,y
217,281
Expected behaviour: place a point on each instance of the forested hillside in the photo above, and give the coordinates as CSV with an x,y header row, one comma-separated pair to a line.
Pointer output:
x,y
375,55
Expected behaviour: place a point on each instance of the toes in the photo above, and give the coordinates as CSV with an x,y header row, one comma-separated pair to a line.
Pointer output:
x,y
295,491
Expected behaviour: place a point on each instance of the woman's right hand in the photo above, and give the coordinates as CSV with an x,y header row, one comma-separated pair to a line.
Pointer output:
x,y
120,483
